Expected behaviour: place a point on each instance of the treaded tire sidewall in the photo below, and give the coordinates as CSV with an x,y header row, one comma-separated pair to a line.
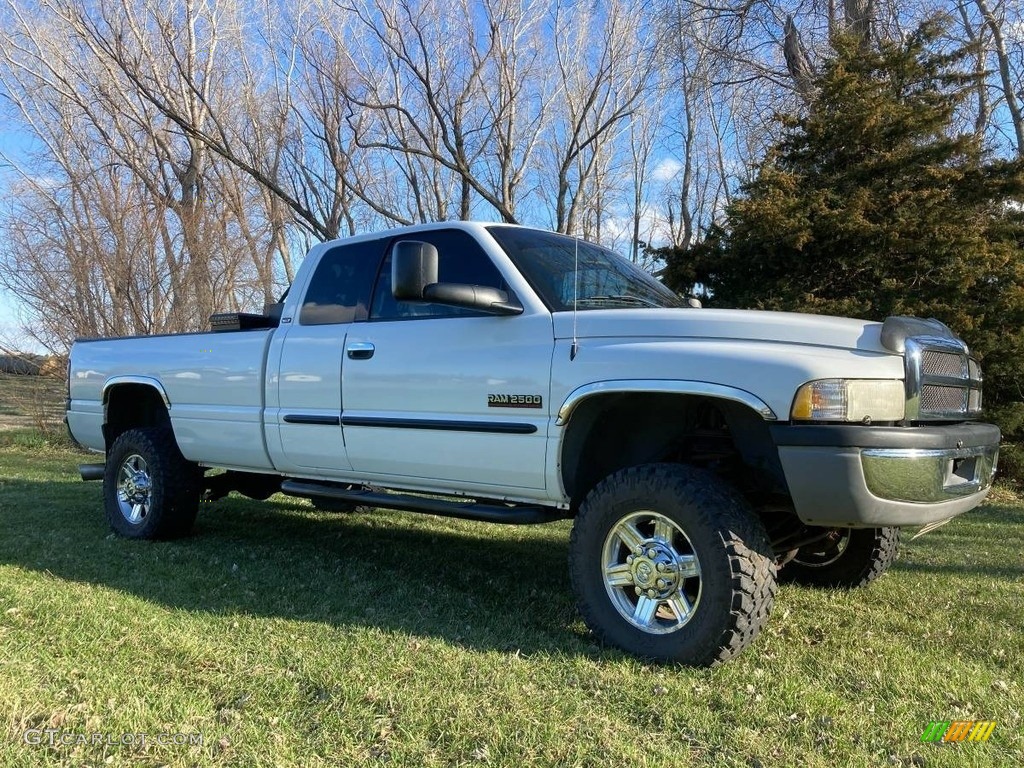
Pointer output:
x,y
174,498
867,556
737,567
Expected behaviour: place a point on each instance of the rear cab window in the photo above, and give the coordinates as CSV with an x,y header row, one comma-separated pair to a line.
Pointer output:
x,y
339,291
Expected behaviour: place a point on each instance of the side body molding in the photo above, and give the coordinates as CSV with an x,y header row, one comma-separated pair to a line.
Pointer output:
x,y
664,386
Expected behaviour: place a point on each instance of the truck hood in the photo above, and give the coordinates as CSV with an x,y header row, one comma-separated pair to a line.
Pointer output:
x,y
735,324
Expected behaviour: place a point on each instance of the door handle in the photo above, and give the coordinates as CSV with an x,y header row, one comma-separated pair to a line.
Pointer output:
x,y
360,350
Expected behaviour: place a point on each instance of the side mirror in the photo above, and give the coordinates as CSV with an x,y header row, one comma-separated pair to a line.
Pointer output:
x,y
480,297
414,278
413,268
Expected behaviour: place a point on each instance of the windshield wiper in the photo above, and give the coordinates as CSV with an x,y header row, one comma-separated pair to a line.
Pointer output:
x,y
619,298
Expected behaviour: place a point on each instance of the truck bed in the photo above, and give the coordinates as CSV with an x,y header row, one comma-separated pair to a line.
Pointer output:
x,y
213,383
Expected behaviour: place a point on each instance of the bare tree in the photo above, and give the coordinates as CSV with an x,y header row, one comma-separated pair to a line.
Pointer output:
x,y
643,135
715,92
605,64
419,85
188,152
131,212
975,38
797,61
994,17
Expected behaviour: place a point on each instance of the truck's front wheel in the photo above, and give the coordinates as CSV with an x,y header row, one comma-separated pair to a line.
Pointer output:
x,y
149,490
667,562
847,558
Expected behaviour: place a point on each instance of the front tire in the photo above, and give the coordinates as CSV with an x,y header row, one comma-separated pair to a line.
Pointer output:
x,y
847,559
150,491
667,562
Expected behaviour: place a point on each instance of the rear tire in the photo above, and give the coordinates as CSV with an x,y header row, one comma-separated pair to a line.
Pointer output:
x,y
150,491
851,558
668,562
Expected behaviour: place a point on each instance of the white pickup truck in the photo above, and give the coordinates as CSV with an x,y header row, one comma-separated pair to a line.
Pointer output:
x,y
514,375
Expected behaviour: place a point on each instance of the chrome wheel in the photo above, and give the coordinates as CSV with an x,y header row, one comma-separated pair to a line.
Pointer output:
x,y
150,491
651,572
826,552
134,489
692,582
845,559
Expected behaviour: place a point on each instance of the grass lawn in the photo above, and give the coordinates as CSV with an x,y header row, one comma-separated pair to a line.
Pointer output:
x,y
286,636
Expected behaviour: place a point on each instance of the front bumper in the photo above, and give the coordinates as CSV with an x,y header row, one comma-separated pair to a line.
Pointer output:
x,y
866,477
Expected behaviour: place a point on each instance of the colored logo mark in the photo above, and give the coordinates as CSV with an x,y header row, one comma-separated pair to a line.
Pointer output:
x,y
958,730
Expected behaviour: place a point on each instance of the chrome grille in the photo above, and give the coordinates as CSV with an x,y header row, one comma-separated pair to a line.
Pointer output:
x,y
943,364
974,405
943,399
943,381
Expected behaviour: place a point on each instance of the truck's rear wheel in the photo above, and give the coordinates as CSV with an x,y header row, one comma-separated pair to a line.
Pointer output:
x,y
669,563
847,558
149,490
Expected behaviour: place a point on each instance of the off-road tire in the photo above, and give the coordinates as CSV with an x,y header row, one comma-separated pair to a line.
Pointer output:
x,y
867,554
736,564
174,483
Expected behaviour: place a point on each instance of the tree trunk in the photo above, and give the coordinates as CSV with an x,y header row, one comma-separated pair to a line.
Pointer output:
x,y
999,43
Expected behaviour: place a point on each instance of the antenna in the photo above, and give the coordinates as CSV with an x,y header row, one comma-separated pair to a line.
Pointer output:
x,y
575,296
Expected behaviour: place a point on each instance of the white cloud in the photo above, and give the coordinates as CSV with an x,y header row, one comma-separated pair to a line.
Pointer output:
x,y
666,170
617,228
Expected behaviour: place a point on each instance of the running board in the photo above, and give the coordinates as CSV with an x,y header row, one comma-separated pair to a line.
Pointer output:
x,y
468,510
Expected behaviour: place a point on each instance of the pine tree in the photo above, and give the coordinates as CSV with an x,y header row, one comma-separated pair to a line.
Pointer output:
x,y
872,205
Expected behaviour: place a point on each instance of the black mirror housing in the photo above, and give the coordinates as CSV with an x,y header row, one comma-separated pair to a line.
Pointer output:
x,y
414,278
413,268
482,297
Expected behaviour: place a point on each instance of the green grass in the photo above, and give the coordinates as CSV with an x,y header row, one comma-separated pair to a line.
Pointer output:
x,y
288,636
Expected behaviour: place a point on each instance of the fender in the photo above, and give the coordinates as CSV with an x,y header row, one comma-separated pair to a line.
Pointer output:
x,y
148,381
666,386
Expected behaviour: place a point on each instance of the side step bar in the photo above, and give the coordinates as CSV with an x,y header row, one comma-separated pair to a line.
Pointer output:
x,y
91,471
468,510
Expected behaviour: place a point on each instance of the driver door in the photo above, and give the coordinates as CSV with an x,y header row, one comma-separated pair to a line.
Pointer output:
x,y
445,394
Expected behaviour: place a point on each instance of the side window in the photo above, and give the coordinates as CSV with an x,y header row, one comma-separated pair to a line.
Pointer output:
x,y
340,289
460,259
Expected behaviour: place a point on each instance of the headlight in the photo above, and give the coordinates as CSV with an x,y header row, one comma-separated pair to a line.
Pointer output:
x,y
849,400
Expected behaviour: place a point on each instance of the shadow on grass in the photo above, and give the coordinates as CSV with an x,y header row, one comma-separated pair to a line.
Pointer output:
x,y
483,586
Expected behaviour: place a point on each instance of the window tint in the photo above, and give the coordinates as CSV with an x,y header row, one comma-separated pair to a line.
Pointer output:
x,y
460,259
340,289
565,271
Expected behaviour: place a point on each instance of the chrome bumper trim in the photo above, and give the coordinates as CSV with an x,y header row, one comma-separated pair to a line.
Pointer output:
x,y
928,476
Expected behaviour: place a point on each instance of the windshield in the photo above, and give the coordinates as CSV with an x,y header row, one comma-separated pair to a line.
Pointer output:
x,y
603,279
